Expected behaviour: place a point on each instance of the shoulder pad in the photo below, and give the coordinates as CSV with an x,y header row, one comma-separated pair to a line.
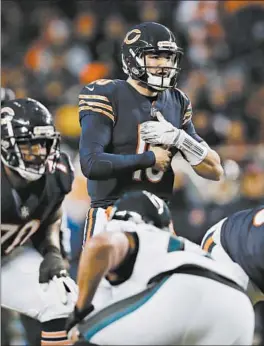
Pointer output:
x,y
64,173
98,98
186,104
182,97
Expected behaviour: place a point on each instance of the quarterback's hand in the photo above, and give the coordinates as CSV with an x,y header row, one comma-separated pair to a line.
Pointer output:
x,y
162,158
159,132
53,268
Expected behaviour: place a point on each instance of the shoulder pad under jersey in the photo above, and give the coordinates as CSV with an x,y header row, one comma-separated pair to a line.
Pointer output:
x,y
64,173
98,98
186,105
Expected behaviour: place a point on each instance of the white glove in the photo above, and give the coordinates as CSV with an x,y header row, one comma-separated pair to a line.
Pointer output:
x,y
164,133
65,286
159,132
52,271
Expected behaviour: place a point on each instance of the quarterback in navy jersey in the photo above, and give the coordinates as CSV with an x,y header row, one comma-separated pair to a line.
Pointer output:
x,y
131,129
35,177
239,238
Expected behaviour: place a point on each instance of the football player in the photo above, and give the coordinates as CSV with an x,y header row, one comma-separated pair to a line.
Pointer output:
x,y
35,177
117,152
164,287
239,240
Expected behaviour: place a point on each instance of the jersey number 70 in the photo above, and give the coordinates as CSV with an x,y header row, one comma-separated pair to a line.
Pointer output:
x,y
23,233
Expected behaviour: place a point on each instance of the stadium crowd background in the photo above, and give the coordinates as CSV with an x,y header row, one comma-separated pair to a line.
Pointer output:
x,y
51,48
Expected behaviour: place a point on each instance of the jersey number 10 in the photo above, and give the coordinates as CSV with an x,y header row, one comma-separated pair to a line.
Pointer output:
x,y
152,175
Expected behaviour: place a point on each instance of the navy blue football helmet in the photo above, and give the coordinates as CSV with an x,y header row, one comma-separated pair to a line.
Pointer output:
x,y
151,38
142,206
27,125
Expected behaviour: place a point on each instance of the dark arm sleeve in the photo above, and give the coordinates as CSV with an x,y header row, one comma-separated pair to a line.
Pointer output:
x,y
99,165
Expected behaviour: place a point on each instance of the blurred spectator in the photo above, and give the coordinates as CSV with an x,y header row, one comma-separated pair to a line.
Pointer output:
x,y
65,48
252,186
93,71
149,11
108,48
62,48
188,212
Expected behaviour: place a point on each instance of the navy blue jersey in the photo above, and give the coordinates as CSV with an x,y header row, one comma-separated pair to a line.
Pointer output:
x,y
26,213
110,114
242,237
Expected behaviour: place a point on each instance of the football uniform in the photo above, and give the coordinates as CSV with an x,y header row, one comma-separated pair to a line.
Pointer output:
x,y
111,112
239,241
165,294
26,213
25,217
35,177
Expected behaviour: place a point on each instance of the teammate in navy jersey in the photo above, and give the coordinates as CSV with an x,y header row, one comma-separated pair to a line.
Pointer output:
x,y
239,238
131,129
35,177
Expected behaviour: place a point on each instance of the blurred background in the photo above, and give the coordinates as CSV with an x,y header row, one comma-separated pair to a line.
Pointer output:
x,y
51,48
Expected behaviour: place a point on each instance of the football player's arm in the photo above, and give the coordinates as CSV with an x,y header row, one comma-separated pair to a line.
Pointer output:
x,y
202,158
104,252
210,165
97,124
52,235
64,179
53,267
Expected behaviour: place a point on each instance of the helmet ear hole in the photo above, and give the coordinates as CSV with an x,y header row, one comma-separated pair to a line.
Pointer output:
x,y
13,160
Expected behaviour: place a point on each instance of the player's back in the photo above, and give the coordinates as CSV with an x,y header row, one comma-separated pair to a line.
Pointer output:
x,y
125,109
159,252
242,237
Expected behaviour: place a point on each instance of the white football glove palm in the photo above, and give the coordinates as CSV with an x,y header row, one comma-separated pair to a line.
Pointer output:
x,y
159,132
52,271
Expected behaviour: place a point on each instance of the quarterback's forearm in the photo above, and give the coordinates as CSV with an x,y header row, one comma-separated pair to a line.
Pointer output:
x,y
205,161
96,163
101,166
210,167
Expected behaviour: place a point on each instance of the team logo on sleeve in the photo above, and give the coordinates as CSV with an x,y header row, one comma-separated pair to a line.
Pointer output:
x,y
187,115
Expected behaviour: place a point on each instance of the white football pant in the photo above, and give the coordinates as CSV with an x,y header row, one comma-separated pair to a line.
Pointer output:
x,y
21,291
181,310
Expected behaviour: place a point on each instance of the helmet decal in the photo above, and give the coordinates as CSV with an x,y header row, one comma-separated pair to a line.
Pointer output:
x,y
130,38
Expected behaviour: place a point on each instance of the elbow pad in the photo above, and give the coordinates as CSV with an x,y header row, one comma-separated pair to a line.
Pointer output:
x,y
101,169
